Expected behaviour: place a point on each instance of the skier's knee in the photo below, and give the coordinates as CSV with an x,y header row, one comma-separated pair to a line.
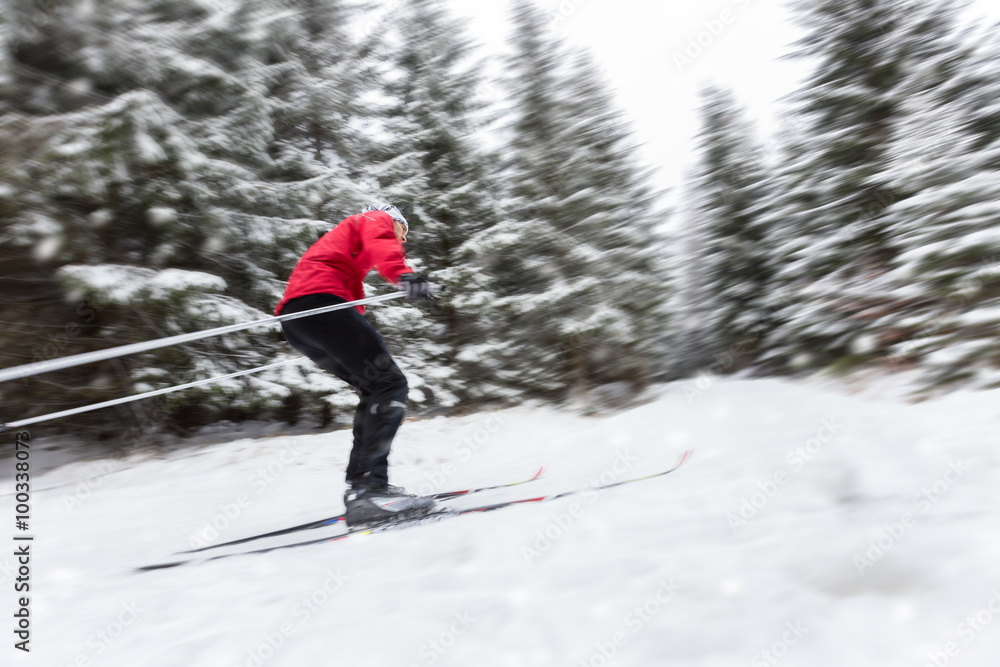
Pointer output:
x,y
397,383
379,366
401,391
392,388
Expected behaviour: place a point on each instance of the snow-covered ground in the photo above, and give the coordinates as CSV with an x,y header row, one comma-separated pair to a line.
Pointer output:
x,y
813,526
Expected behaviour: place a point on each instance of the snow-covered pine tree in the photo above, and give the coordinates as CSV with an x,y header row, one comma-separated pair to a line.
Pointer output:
x,y
609,217
726,192
152,179
576,282
319,94
832,249
516,252
429,164
8,41
684,350
945,162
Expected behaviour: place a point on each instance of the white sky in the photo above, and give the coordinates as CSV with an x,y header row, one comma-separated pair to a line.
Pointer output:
x,y
636,42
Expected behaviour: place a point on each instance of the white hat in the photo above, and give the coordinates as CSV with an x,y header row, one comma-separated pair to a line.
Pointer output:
x,y
391,210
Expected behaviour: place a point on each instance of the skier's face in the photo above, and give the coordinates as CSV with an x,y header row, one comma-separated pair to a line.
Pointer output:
x,y
400,231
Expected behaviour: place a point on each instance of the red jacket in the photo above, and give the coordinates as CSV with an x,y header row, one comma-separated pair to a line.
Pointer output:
x,y
340,260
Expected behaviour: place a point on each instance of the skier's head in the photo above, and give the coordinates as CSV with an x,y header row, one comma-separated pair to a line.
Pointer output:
x,y
401,226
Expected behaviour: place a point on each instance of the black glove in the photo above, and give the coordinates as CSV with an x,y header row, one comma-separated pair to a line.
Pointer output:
x,y
416,286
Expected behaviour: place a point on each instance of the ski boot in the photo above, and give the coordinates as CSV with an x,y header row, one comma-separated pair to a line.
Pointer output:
x,y
372,503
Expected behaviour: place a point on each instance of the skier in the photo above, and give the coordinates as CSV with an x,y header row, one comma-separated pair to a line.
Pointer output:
x,y
344,343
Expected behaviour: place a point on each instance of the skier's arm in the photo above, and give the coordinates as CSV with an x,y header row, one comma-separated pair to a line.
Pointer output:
x,y
378,236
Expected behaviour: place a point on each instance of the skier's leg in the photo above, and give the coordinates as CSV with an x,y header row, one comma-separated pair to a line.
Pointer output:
x,y
355,466
345,344
379,415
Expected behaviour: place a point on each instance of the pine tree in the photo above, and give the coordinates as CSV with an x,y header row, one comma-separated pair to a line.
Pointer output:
x,y
429,165
832,248
8,41
727,193
575,278
320,93
945,161
609,217
157,172
685,350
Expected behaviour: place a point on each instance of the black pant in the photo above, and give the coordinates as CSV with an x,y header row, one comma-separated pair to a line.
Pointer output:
x,y
345,344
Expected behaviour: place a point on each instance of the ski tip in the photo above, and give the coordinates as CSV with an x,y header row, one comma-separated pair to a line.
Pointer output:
x,y
160,566
538,474
685,455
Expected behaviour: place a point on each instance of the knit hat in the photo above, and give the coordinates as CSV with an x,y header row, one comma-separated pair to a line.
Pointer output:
x,y
390,209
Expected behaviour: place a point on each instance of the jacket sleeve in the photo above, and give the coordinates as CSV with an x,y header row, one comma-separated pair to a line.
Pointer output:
x,y
378,237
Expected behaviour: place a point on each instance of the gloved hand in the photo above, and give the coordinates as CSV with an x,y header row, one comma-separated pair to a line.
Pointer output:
x,y
417,287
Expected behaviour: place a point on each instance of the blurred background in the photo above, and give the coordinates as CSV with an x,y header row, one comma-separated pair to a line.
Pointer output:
x,y
165,162
758,230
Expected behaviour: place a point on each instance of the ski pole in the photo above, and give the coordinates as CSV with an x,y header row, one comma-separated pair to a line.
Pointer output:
x,y
137,397
27,370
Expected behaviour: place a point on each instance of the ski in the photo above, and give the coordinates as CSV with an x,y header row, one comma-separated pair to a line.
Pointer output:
x,y
444,495
685,455
432,517
358,530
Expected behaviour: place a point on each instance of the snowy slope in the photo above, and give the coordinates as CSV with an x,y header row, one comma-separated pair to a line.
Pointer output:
x,y
662,572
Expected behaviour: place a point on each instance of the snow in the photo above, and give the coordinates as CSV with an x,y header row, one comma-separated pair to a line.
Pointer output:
x,y
149,151
669,567
980,316
100,218
120,283
46,249
161,215
954,354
